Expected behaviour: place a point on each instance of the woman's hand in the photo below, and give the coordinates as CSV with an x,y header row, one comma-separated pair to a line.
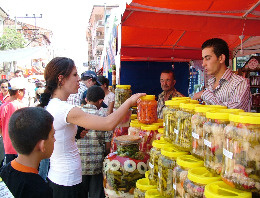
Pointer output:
x,y
133,99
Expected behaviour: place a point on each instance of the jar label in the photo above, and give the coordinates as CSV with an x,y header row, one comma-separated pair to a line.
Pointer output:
x,y
151,165
195,135
176,131
4,191
227,153
159,174
207,143
174,186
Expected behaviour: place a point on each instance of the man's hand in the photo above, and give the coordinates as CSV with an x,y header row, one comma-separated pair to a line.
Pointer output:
x,y
83,133
198,95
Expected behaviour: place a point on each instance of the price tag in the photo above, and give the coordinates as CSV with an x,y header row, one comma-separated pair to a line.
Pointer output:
x,y
174,186
151,165
159,174
176,131
195,135
227,153
4,191
207,143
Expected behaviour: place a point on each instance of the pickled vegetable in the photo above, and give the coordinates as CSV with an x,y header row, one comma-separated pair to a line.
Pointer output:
x,y
147,109
148,135
122,93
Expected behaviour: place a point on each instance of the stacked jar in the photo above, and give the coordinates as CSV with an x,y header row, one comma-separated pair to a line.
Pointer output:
x,y
214,136
148,135
197,122
166,163
160,134
180,172
154,156
124,167
219,189
142,185
147,109
196,181
170,119
183,137
135,128
122,93
153,193
241,167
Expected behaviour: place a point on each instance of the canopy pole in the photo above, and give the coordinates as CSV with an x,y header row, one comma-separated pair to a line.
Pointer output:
x,y
251,9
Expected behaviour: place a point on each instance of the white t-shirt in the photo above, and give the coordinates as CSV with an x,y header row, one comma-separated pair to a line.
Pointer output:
x,y
65,163
109,98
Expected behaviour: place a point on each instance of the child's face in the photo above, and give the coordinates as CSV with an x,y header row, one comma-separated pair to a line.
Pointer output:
x,y
49,143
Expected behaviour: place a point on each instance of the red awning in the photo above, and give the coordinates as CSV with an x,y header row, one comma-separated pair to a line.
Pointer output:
x,y
165,30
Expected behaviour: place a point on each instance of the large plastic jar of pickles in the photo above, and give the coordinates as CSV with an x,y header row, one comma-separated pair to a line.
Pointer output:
x,y
241,167
153,162
180,172
219,189
142,185
148,135
183,137
122,93
134,128
153,193
197,122
147,109
166,163
121,169
160,133
170,119
196,181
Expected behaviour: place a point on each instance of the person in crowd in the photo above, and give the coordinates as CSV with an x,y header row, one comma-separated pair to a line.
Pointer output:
x,y
93,147
32,135
224,88
65,173
18,73
109,99
16,92
4,94
167,81
88,79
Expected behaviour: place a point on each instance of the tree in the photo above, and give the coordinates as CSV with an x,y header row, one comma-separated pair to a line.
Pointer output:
x,y
11,39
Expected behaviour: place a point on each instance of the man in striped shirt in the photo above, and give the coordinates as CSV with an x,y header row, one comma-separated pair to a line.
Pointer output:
x,y
225,87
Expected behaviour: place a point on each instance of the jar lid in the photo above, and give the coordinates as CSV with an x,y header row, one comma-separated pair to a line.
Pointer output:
x,y
189,161
175,102
135,120
217,115
159,124
249,113
123,86
201,175
159,120
160,144
150,128
234,111
135,124
180,98
248,119
147,174
206,108
143,184
194,101
172,152
220,189
190,106
133,116
153,193
127,139
148,97
161,130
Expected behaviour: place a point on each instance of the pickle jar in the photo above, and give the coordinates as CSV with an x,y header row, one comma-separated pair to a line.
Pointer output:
x,y
160,133
219,189
166,163
134,128
241,167
180,172
197,122
133,116
183,137
148,135
147,109
170,119
142,185
197,179
153,193
122,93
121,169
153,162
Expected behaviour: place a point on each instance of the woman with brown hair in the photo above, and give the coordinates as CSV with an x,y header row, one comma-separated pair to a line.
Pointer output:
x,y
65,165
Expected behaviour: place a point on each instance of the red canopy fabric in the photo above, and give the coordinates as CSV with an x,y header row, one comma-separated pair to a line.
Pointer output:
x,y
175,29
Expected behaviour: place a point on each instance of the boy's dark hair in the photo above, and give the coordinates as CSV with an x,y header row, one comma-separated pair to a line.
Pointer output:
x,y
95,93
219,47
18,71
12,92
169,72
4,81
27,126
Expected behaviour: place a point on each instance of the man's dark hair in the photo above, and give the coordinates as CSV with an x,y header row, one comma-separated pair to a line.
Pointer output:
x,y
4,81
169,72
95,93
103,80
18,71
27,126
219,47
12,92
